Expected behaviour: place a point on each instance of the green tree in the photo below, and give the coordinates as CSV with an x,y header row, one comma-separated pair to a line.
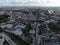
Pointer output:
x,y
55,27
1,30
30,39
3,18
27,29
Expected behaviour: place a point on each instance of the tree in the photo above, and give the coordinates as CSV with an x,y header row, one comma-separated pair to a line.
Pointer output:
x,y
30,39
3,18
26,30
55,27
1,30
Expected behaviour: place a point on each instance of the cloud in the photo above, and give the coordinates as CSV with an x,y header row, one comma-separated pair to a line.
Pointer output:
x,y
30,2
6,1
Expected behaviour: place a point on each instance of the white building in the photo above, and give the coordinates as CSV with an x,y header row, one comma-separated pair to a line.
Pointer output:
x,y
9,25
32,31
21,26
50,11
18,32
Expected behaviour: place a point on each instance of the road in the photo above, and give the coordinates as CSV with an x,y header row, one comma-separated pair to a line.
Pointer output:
x,y
8,39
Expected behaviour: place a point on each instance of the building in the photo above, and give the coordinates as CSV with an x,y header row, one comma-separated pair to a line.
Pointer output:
x,y
18,32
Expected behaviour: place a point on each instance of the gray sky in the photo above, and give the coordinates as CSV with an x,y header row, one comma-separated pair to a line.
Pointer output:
x,y
30,3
